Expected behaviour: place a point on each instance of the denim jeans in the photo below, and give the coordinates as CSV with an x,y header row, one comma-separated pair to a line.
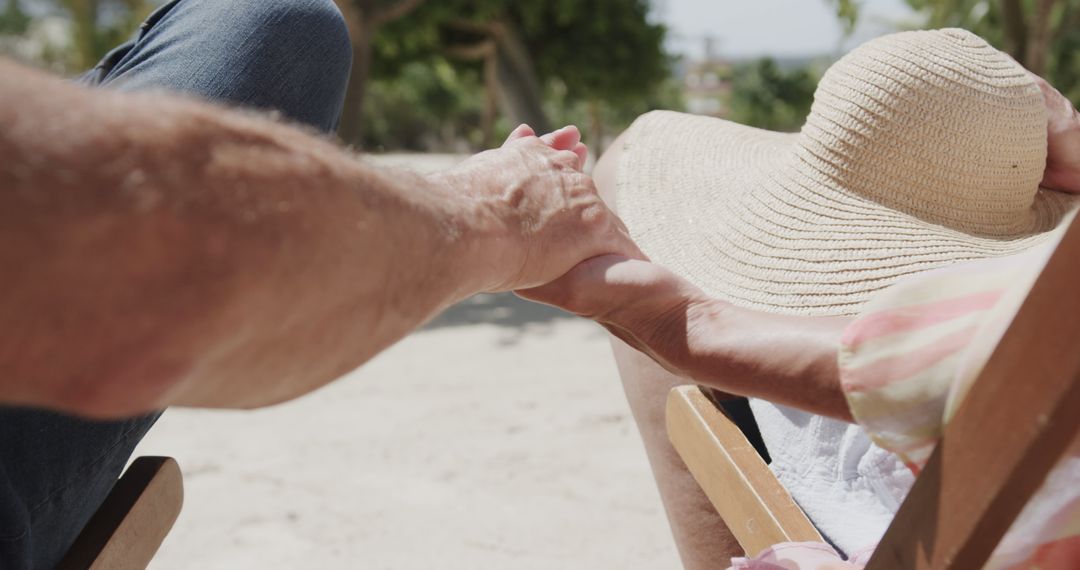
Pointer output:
x,y
289,56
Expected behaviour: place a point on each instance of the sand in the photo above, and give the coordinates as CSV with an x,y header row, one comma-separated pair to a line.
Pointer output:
x,y
497,437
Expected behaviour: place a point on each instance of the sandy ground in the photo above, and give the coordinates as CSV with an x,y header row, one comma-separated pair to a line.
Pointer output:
x,y
496,437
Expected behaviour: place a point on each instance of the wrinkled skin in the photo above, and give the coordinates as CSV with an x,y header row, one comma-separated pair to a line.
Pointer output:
x,y
535,203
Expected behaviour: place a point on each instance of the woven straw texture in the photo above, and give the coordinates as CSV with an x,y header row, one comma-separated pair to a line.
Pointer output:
x,y
922,149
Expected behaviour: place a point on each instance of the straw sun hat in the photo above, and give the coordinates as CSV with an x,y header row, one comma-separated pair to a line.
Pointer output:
x,y
922,149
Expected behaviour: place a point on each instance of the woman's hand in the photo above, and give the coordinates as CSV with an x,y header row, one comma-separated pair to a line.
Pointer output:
x,y
1063,141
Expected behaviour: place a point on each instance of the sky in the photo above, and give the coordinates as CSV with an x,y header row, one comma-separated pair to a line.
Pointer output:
x,y
778,28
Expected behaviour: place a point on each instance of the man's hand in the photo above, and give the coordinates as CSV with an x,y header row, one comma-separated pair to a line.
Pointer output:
x,y
1063,141
535,214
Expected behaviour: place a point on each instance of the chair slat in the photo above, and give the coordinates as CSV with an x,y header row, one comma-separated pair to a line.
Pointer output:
x,y
746,494
1015,424
129,527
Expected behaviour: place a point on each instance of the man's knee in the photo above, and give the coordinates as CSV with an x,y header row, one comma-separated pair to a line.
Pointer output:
x,y
298,57
313,31
293,56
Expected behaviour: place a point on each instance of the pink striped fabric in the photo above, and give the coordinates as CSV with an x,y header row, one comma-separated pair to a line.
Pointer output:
x,y
910,319
906,363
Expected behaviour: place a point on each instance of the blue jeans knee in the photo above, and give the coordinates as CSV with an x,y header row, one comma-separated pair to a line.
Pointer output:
x,y
292,56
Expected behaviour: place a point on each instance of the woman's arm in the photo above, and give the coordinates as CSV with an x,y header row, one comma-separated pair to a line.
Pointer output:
x,y
788,360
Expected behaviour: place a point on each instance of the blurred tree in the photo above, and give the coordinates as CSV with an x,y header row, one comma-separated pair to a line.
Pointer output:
x,y
764,96
100,25
13,20
848,12
365,18
1026,29
426,107
606,52
1043,35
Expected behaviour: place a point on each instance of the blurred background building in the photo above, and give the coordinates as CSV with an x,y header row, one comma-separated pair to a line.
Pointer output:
x,y
706,82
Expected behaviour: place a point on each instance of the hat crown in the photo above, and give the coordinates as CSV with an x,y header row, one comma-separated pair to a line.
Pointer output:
x,y
938,124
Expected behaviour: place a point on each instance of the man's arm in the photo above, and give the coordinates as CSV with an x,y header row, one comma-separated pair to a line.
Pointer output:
x,y
158,251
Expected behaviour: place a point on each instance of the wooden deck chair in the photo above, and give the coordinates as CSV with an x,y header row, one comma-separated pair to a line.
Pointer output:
x,y
1015,424
129,527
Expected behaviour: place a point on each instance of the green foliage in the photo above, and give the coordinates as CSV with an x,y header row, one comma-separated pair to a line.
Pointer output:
x,y
1013,26
1065,64
764,96
13,20
100,25
982,17
848,13
96,26
599,48
993,21
596,62
429,105
604,56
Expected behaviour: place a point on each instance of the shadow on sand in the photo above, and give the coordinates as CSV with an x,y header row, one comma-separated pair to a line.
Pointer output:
x,y
501,309
515,317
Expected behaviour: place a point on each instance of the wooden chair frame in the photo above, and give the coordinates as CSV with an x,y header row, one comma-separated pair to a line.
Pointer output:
x,y
1019,419
129,527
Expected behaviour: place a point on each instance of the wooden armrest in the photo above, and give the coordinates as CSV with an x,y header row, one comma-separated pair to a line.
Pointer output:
x,y
129,527
746,494
1016,423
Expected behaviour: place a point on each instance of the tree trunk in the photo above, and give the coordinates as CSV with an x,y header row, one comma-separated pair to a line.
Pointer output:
x,y
1012,12
351,129
519,88
352,115
1038,48
84,14
364,18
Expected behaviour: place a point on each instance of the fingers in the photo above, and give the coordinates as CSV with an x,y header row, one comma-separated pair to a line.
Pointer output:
x,y
523,131
566,138
582,152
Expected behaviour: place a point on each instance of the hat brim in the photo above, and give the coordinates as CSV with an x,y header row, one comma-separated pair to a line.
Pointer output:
x,y
699,196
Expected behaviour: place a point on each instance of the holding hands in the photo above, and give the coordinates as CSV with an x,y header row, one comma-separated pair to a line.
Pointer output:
x,y
534,213
557,243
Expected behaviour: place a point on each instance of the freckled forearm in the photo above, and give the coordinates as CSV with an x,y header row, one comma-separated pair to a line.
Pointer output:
x,y
162,251
788,360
